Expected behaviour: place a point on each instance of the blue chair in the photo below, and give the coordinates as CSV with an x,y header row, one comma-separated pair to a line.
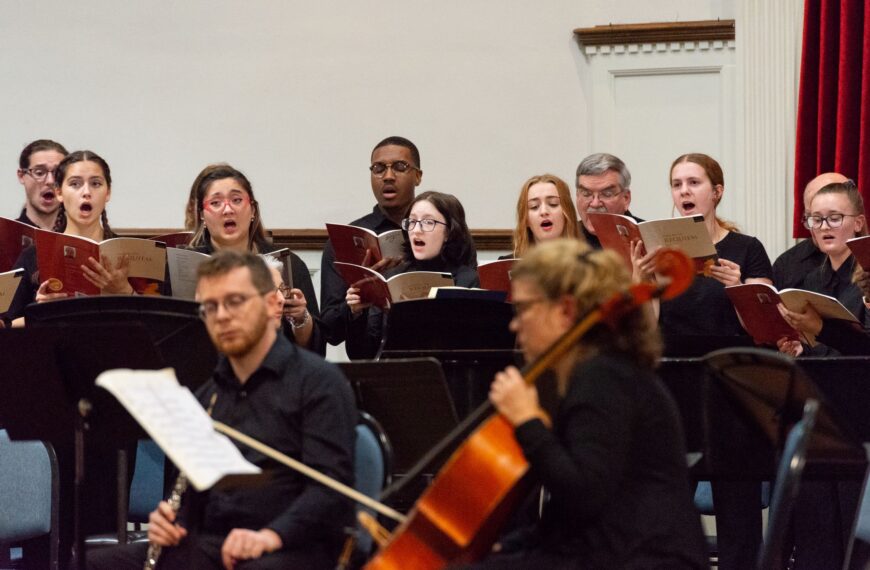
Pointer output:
x,y
29,488
786,486
858,552
146,490
372,460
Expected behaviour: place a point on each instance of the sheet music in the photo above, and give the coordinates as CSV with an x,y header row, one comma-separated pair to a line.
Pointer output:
x,y
174,418
182,271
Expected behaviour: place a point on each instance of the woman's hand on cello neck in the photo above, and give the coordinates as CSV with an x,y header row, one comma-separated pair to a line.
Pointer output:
x,y
516,400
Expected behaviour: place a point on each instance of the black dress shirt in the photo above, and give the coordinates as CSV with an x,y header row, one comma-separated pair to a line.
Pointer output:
x,y
792,267
301,405
334,313
25,220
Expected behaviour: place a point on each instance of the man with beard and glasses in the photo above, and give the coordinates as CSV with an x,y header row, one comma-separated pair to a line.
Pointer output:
x,y
603,185
284,396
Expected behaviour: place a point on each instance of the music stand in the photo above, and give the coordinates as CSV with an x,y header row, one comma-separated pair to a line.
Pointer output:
x,y
771,389
174,327
470,337
410,400
64,407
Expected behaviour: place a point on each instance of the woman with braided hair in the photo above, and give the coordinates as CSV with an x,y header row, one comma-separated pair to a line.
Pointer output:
x,y
83,184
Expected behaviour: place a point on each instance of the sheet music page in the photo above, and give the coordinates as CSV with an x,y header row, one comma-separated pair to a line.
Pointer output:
x,y
174,418
182,271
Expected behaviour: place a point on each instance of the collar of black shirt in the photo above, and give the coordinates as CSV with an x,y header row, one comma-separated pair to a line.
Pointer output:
x,y
273,367
842,277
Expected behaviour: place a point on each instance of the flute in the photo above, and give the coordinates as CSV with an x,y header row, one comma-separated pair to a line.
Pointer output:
x,y
174,503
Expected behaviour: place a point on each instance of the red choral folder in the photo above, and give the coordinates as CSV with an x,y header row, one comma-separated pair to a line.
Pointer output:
x,y
756,309
860,247
384,292
174,239
60,258
351,243
496,275
14,237
688,233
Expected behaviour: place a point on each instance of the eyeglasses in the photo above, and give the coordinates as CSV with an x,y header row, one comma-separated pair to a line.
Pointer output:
x,y
232,304
284,290
380,168
834,221
217,204
427,225
39,173
522,306
606,194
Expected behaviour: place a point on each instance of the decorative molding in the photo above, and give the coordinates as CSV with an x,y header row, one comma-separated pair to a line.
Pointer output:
x,y
657,33
313,240
659,37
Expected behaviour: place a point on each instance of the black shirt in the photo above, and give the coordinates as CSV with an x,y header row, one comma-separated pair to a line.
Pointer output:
x,y
25,220
335,313
302,281
791,268
615,466
301,405
836,336
704,309
364,333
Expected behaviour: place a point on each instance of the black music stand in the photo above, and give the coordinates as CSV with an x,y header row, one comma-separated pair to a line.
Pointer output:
x,y
470,338
49,394
174,327
409,398
771,389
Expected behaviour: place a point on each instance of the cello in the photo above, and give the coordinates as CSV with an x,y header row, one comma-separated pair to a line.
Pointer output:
x,y
459,517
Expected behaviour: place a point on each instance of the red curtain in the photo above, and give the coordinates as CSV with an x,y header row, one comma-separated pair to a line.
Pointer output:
x,y
833,122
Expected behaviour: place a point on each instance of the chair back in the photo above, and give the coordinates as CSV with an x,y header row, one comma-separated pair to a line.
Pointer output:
x,y
786,486
146,489
858,551
372,456
29,488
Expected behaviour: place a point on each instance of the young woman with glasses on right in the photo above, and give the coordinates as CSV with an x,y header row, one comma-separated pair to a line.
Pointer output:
x,y
836,215
436,239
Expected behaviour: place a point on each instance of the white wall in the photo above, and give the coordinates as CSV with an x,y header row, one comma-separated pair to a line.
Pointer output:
x,y
296,94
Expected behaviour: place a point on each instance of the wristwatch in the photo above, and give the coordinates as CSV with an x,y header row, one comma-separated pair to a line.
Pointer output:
x,y
299,324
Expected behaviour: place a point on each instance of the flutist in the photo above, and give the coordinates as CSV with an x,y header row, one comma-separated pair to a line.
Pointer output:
x,y
284,396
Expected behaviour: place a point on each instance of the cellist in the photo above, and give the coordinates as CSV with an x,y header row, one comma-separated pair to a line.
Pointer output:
x,y
611,456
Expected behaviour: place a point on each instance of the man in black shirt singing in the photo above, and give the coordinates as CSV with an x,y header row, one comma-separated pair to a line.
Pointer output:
x,y
36,166
395,175
288,398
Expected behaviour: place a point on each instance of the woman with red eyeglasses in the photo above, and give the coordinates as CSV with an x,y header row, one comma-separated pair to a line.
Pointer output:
x,y
228,217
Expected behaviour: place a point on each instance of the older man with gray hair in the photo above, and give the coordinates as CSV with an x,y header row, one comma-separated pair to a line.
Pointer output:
x,y
603,185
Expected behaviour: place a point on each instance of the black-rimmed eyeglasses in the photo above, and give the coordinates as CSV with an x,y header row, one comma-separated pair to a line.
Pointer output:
x,y
380,168
834,221
427,225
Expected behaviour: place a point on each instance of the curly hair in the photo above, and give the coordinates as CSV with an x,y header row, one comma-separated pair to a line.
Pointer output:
x,y
570,267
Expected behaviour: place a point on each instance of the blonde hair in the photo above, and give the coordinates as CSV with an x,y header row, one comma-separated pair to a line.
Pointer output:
x,y
523,238
571,267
